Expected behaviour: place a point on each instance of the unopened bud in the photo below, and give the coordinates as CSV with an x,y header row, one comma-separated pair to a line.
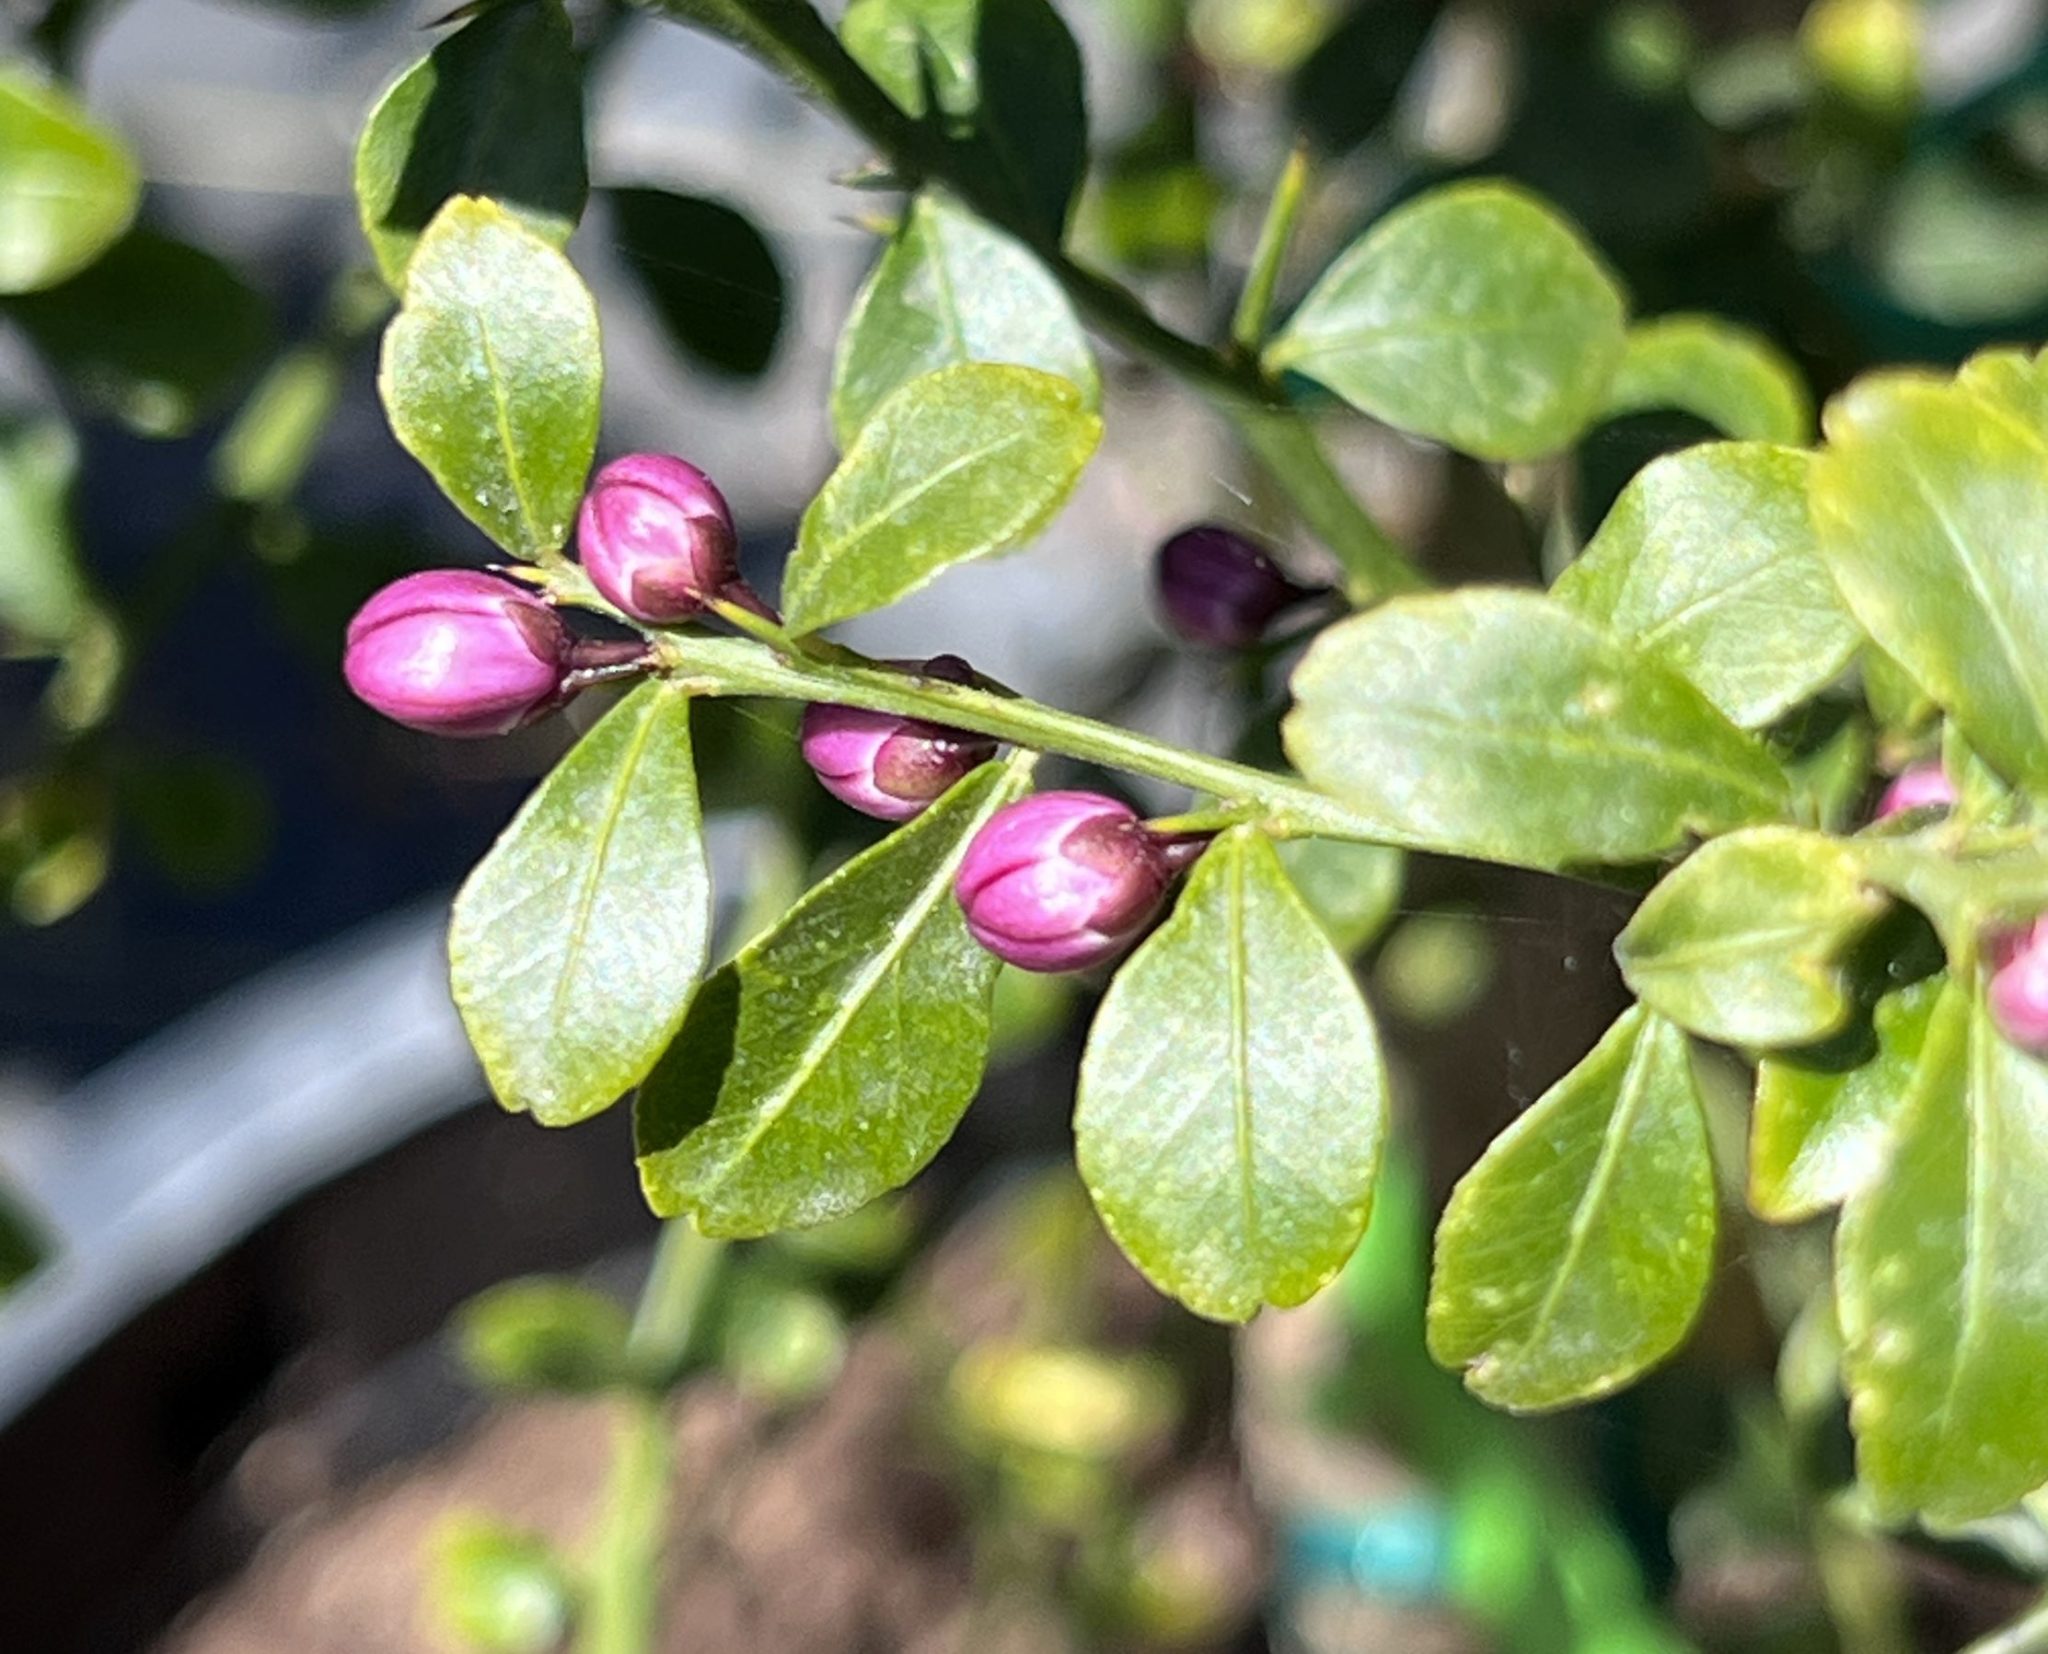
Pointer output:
x,y
457,652
2019,987
885,764
656,538
1220,591
1062,881
1918,787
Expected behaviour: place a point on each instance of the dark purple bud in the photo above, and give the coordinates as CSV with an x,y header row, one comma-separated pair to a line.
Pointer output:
x,y
657,538
1219,590
2019,987
885,764
457,652
1061,881
1918,787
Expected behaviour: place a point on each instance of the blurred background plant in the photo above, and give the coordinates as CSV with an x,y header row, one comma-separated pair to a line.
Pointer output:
x,y
955,1420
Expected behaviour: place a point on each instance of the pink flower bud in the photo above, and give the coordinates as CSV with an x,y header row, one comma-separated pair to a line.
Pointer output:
x,y
657,538
1218,590
1061,881
1918,787
2019,987
885,764
457,652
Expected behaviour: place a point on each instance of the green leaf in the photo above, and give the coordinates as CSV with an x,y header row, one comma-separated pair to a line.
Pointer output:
x,y
1232,1100
544,1334
492,372
495,110
709,273
1823,1119
955,465
43,594
1943,1303
1007,80
1442,714
1576,1253
1744,941
1733,378
952,289
578,940
68,186
1352,888
1708,561
158,334
1931,501
1472,315
834,1056
264,453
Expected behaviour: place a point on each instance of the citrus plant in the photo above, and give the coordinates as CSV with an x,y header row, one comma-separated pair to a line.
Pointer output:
x,y
1638,722
1767,632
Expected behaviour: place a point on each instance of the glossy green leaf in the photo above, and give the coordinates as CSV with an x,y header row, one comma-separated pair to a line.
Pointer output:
x,y
709,273
833,1057
1931,501
1708,561
1576,1253
496,109
157,334
1007,80
43,594
492,372
1498,724
578,940
1472,315
1232,1100
960,463
68,186
1733,378
544,1334
1821,1127
1744,941
952,289
1943,1301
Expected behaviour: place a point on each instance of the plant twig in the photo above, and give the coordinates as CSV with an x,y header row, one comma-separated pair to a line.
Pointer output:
x,y
1255,303
622,1605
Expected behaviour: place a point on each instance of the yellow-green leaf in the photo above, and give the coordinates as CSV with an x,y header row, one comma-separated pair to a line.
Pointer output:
x,y
1576,1253
492,373
1232,1100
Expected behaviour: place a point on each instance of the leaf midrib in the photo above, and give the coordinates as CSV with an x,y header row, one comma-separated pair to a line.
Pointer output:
x,y
918,490
1976,1238
1994,616
1240,1046
1634,1087
608,826
772,1105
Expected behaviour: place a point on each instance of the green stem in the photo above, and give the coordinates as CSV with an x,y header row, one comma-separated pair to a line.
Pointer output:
x,y
1285,444
622,1607
1255,303
793,39
1284,805
679,1283
1961,888
622,1604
